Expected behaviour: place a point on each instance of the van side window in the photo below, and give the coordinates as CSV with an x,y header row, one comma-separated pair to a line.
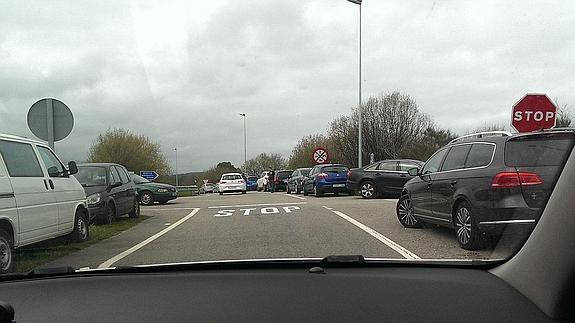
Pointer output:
x,y
123,175
53,165
479,155
20,159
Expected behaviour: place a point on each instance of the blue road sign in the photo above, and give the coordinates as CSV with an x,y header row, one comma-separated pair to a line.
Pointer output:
x,y
149,175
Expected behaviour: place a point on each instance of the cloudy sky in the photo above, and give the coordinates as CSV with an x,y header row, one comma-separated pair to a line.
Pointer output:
x,y
182,71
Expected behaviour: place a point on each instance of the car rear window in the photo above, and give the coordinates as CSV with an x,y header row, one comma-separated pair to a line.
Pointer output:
x,y
335,169
252,178
541,150
231,177
305,172
480,155
284,175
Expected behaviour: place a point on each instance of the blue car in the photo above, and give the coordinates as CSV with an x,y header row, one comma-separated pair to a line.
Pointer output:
x,y
252,183
328,178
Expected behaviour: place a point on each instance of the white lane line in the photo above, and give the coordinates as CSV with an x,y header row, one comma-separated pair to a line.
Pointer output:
x,y
169,209
295,196
388,242
246,205
126,253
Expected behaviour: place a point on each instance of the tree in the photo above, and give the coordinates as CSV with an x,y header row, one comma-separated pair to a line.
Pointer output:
x,y
262,162
302,153
489,127
215,173
433,138
391,123
135,152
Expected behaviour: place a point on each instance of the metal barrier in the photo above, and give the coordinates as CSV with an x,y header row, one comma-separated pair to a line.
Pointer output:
x,y
190,188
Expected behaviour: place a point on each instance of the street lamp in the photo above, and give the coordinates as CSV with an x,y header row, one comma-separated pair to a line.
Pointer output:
x,y
358,2
176,150
245,140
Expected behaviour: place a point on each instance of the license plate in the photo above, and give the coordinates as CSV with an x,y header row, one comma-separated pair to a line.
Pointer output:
x,y
338,185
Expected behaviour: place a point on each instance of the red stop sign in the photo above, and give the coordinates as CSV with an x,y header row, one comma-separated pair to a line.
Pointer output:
x,y
534,112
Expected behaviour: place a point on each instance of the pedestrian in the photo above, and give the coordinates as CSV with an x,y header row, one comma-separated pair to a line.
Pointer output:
x,y
271,176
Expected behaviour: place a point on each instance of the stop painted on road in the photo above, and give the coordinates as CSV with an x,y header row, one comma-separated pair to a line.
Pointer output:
x,y
258,211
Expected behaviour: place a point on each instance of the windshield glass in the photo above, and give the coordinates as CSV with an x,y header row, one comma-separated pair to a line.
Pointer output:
x,y
437,131
139,179
91,175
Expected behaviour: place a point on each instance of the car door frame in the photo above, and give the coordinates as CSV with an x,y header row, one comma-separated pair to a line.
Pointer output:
x,y
114,193
8,209
420,190
128,189
387,180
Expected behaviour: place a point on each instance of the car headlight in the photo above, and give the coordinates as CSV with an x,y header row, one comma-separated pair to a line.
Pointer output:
x,y
162,190
93,199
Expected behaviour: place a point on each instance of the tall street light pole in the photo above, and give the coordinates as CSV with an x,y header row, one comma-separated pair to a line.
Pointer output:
x,y
245,140
176,150
359,161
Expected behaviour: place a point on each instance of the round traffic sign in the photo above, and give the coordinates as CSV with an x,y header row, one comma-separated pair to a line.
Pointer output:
x,y
320,155
61,117
534,112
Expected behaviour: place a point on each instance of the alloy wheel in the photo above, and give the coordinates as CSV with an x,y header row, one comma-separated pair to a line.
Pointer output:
x,y
405,211
463,225
367,190
5,255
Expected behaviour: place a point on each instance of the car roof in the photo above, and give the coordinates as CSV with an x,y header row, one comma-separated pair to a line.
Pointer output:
x,y
327,165
302,168
21,139
284,170
231,174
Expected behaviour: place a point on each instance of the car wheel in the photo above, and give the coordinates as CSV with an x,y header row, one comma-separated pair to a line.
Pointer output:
x,y
316,192
147,198
81,230
468,235
6,252
110,214
404,210
135,213
368,190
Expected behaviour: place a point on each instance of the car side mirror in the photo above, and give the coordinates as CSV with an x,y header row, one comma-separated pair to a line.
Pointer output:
x,y
413,171
72,168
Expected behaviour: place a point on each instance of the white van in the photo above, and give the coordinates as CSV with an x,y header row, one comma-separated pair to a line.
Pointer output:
x,y
39,199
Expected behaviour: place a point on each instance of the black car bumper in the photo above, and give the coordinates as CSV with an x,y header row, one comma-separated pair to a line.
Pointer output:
x,y
352,186
97,211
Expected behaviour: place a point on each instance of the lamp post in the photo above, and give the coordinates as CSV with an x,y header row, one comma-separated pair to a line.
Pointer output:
x,y
176,150
359,161
245,139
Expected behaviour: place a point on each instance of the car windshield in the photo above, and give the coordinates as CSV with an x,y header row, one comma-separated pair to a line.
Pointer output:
x,y
91,175
414,130
139,179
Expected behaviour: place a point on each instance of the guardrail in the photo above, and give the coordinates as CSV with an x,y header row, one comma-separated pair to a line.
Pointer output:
x,y
190,188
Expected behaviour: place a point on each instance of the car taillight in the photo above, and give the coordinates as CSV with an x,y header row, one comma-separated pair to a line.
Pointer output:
x,y
322,175
349,173
515,179
222,182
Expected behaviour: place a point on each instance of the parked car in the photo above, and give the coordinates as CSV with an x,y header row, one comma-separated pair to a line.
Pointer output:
x,y
39,199
295,181
110,191
481,184
232,182
262,181
252,183
207,188
150,192
385,177
328,178
280,179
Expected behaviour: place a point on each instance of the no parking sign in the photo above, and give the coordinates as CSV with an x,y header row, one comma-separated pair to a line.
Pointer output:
x,y
320,155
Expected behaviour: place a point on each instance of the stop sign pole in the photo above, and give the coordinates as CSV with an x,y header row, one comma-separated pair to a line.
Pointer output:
x,y
533,112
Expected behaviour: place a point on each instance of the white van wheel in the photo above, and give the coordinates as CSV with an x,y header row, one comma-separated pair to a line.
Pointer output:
x,y
81,228
6,252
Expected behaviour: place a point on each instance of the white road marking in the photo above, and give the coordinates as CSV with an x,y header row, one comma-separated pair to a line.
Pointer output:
x,y
169,209
388,242
166,224
126,253
295,196
248,205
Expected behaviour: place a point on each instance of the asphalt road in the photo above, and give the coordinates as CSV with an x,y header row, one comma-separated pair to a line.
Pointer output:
x,y
265,225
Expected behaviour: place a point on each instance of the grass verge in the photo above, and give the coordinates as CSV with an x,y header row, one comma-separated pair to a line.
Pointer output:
x,y
30,257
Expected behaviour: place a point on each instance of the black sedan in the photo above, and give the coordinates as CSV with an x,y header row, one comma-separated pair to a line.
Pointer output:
x,y
385,177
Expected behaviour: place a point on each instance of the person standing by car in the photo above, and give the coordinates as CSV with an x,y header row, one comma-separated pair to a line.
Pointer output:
x,y
271,176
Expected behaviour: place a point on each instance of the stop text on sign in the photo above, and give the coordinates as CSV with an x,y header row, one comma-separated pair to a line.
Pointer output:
x,y
256,211
533,115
